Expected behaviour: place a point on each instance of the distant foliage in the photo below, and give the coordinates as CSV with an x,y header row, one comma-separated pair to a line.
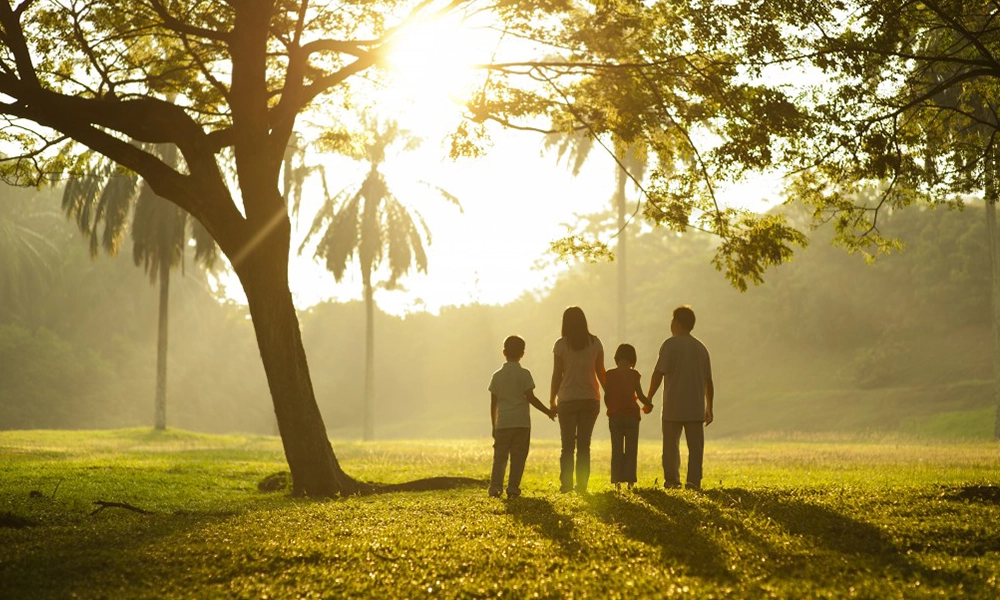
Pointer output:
x,y
915,319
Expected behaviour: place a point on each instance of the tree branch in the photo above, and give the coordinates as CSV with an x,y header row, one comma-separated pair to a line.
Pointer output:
x,y
101,505
15,41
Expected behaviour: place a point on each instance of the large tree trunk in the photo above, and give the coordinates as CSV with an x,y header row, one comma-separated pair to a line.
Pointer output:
x,y
369,408
264,275
160,404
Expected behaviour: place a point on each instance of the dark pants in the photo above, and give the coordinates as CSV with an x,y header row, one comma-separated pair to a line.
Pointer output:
x,y
576,426
624,447
694,433
511,442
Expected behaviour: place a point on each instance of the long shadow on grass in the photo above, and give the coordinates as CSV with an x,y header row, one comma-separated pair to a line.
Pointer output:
x,y
541,515
821,526
668,522
861,546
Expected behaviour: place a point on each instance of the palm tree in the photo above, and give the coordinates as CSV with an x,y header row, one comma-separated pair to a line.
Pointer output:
x,y
160,234
370,221
630,163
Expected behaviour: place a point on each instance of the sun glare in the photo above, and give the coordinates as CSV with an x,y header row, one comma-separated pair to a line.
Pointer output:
x,y
433,70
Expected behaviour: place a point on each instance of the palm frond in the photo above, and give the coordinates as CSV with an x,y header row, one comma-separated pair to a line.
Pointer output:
x,y
78,200
397,241
206,251
113,208
574,146
340,240
448,196
326,212
376,195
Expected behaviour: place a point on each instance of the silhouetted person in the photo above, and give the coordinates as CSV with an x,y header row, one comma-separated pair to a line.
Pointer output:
x,y
685,369
622,391
577,372
510,393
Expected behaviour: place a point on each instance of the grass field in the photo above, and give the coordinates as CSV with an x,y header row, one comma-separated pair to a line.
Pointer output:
x,y
783,518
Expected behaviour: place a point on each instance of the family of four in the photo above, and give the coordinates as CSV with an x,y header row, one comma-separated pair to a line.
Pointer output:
x,y
683,367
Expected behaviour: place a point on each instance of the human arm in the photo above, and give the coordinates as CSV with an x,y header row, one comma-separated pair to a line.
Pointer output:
x,y
602,373
654,383
709,400
534,401
493,414
557,375
647,404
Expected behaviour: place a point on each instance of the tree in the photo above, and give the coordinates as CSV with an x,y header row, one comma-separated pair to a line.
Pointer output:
x,y
161,232
370,220
908,111
240,74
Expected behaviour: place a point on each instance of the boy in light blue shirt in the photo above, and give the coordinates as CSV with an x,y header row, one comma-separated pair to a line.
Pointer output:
x,y
510,394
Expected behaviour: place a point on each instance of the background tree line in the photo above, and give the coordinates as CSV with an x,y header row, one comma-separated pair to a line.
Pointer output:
x,y
825,345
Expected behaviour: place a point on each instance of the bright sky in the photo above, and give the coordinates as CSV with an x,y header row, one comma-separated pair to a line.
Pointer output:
x,y
516,200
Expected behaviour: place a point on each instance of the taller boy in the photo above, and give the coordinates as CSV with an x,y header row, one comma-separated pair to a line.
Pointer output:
x,y
685,369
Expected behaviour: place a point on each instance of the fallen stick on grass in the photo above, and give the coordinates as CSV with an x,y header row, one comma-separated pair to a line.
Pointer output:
x,y
102,505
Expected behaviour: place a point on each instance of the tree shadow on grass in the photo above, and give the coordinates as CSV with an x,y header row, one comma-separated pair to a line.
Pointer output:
x,y
669,523
540,515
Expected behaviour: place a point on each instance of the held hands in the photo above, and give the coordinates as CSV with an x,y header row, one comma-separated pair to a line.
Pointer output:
x,y
647,408
552,413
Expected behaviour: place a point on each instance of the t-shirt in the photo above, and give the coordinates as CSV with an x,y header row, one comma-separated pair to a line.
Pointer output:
x,y
579,380
619,392
509,384
685,364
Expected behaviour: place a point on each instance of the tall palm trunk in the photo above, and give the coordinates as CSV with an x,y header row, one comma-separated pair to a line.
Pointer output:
x,y
620,181
369,408
992,192
160,404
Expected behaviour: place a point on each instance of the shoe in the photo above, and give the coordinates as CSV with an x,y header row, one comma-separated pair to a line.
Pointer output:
x,y
692,486
494,494
671,486
565,490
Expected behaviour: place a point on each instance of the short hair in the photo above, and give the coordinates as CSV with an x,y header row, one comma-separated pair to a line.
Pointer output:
x,y
684,317
513,347
626,352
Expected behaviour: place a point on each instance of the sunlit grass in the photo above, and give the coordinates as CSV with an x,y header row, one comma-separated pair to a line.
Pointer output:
x,y
809,517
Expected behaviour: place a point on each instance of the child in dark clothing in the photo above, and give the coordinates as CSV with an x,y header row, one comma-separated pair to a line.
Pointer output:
x,y
622,389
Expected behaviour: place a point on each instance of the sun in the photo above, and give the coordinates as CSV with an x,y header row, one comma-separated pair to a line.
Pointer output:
x,y
434,69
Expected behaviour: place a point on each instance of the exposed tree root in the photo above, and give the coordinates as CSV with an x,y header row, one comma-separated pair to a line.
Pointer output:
x,y
352,487
101,505
424,485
